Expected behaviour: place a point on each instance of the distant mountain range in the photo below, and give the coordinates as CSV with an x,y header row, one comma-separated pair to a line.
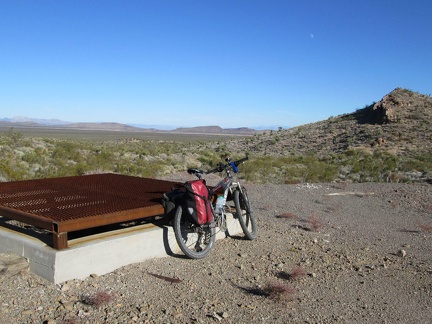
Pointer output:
x,y
22,121
28,120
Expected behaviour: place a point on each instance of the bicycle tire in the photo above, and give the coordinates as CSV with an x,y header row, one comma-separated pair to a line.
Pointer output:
x,y
195,241
244,214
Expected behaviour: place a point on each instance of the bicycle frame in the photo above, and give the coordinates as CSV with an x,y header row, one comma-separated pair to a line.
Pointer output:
x,y
228,185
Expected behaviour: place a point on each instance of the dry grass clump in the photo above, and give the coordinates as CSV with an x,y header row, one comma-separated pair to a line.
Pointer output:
x,y
314,223
98,299
297,272
279,292
425,228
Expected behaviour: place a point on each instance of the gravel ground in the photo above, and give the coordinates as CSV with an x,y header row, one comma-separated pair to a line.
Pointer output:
x,y
325,254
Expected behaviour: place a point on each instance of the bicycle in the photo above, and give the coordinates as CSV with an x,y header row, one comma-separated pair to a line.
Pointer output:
x,y
195,240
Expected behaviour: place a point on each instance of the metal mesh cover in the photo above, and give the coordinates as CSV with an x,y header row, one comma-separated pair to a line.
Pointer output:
x,y
70,198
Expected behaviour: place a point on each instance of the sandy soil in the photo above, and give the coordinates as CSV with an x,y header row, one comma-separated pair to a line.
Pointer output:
x,y
325,254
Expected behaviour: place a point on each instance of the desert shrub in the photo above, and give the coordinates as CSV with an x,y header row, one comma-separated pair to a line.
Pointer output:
x,y
7,172
65,150
102,159
14,137
32,157
291,169
209,158
420,162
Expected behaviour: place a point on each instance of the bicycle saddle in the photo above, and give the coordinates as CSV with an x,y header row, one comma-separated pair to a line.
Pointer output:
x,y
194,171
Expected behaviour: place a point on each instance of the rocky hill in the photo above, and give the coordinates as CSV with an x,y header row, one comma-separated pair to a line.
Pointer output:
x,y
400,123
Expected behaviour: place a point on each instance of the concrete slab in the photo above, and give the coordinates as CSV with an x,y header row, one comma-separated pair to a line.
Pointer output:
x,y
96,254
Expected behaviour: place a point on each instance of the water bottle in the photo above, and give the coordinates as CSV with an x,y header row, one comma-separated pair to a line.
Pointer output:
x,y
220,202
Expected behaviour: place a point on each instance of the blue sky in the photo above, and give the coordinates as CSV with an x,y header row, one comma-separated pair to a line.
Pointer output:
x,y
209,62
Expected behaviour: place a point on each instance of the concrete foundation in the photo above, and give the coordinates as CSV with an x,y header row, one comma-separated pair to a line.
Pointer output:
x,y
96,254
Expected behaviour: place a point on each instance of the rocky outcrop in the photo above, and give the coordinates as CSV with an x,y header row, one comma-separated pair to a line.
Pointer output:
x,y
386,107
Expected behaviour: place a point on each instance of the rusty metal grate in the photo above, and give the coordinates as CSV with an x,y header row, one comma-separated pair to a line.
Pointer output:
x,y
74,203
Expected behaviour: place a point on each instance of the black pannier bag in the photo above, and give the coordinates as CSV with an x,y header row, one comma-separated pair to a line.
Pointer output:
x,y
197,201
171,200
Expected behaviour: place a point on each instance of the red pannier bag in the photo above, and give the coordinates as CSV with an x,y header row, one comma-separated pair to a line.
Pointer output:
x,y
197,201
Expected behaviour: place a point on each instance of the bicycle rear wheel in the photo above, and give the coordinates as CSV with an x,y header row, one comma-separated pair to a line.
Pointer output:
x,y
245,214
195,241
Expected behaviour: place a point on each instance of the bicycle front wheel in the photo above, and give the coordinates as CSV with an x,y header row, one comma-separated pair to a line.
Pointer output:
x,y
245,214
195,241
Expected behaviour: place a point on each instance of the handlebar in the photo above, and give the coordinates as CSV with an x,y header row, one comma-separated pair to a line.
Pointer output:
x,y
214,170
227,166
233,165
241,161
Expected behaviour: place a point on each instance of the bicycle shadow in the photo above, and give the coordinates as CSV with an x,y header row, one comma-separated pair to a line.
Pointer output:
x,y
171,247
